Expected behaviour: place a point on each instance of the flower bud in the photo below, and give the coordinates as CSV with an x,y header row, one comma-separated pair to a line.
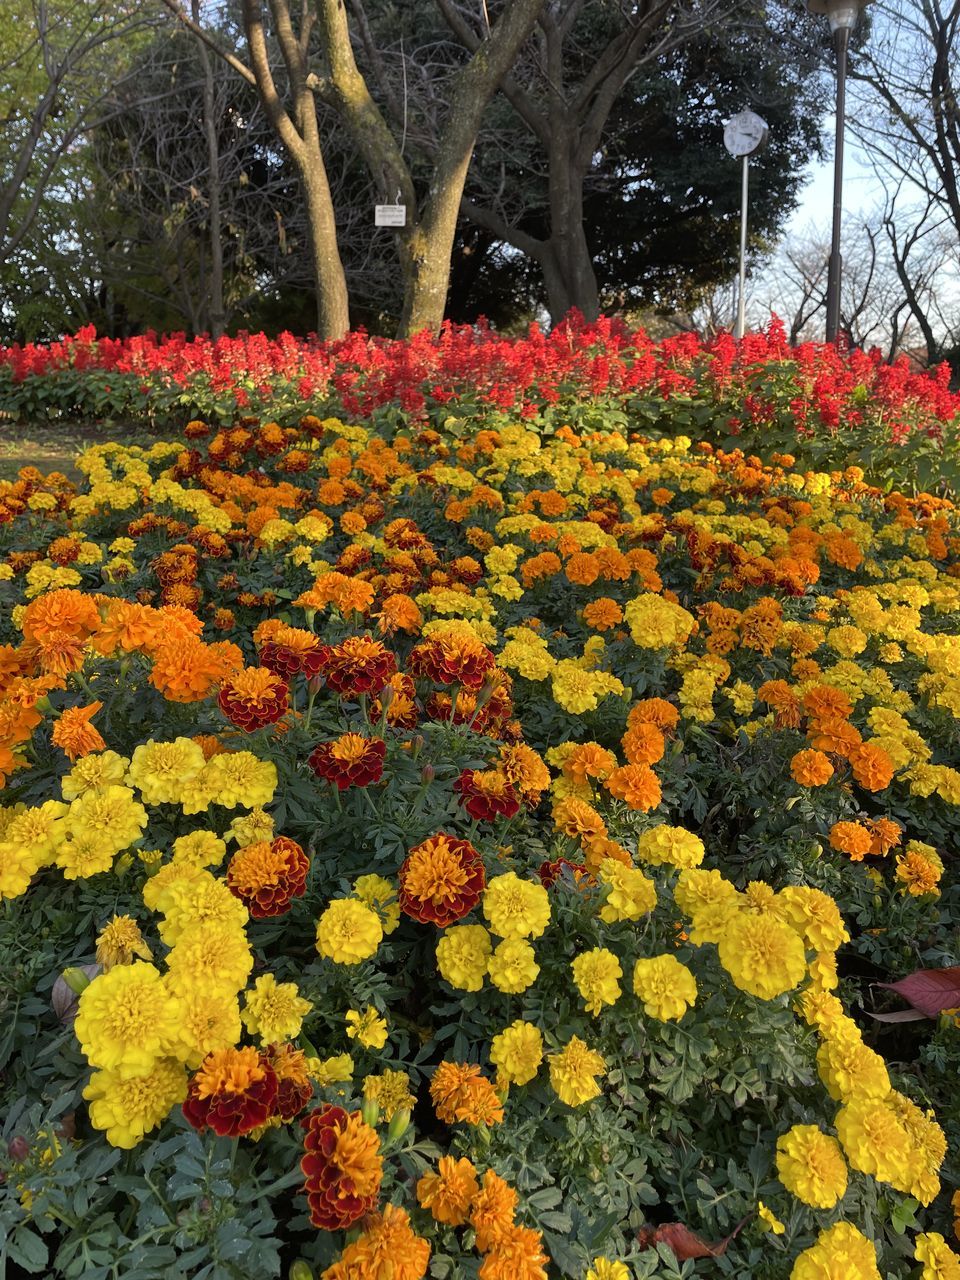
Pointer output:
x,y
76,980
18,1149
300,1270
398,1125
370,1111
123,864
428,773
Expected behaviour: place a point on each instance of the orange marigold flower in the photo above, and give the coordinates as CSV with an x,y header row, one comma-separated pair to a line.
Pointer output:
x,y
342,1166
398,695
254,698
522,766
885,835
811,768
461,1093
636,785
837,737
851,838
389,1249
599,849
583,569
441,880
842,551
399,612
65,610
486,794
871,765
493,1211
349,761
74,733
265,876
517,1255
186,670
825,703
452,657
57,652
232,1092
589,760
654,711
449,1192
577,819
358,665
643,744
602,614
294,1086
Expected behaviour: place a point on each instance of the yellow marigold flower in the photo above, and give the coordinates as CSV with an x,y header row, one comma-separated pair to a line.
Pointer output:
x,y
939,1260
211,956
119,941
235,779
160,770
517,1052
631,894
513,966
126,1019
670,846
666,987
380,895
102,769
200,849
208,1019
254,827
335,1070
348,932
109,816
463,954
762,955
875,1139
811,1166
201,899
84,855
849,1068
707,898
656,623
516,908
769,1220
449,1192
390,1091
574,1071
367,1027
929,1148
821,1010
274,1011
605,1269
129,1107
815,916
597,975
840,1251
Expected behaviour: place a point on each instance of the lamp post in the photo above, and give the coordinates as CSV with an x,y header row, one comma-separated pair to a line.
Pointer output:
x,y
842,16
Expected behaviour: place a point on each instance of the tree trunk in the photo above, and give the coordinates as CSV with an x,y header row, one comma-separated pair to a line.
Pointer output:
x,y
570,254
216,310
333,307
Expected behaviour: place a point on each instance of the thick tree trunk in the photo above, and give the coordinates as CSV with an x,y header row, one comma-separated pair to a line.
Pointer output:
x,y
569,251
333,307
216,311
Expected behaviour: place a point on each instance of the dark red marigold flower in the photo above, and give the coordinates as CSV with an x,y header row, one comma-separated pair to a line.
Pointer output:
x,y
282,660
452,657
441,880
294,1086
349,761
265,876
358,665
550,872
253,698
486,794
342,1167
232,1092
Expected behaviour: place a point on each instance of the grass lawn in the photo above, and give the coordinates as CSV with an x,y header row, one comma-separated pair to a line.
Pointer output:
x,y
54,445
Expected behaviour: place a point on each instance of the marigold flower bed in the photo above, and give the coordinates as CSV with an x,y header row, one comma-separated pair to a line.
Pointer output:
x,y
472,854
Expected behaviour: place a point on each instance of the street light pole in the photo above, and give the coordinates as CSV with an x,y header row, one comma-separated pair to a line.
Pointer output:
x,y
842,16
742,283
841,42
